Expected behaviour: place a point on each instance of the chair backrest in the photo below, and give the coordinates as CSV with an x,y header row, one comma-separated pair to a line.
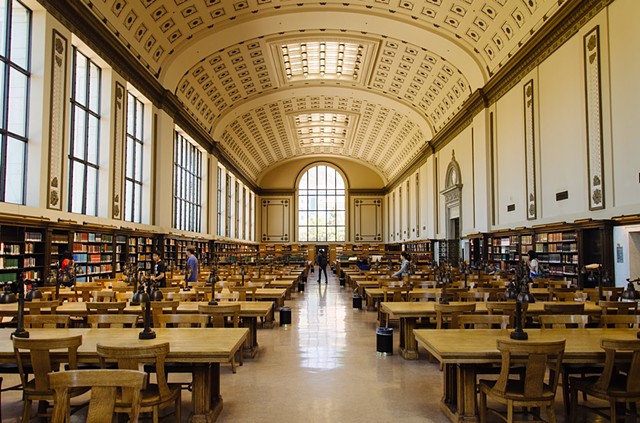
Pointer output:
x,y
244,291
124,296
394,293
612,349
104,384
618,307
132,357
484,321
471,296
36,307
104,296
39,351
447,314
166,291
566,296
620,321
105,308
46,321
538,357
112,320
564,308
219,313
160,307
181,320
564,320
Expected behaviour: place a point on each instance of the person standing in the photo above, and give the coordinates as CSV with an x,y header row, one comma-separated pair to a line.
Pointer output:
x,y
322,261
192,264
404,266
159,271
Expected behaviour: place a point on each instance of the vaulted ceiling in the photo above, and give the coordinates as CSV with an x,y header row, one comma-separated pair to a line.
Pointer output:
x,y
274,80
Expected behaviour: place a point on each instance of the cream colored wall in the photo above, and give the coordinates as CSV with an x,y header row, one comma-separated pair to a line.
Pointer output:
x,y
624,39
285,176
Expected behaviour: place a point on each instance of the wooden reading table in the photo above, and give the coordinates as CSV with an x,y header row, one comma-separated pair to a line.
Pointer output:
x,y
204,349
460,351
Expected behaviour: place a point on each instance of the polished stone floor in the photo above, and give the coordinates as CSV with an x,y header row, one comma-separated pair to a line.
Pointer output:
x,y
322,368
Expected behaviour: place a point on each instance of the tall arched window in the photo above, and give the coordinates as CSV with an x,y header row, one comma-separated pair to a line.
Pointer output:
x,y
321,205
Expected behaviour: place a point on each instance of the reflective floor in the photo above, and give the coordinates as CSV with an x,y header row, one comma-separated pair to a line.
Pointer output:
x,y
322,368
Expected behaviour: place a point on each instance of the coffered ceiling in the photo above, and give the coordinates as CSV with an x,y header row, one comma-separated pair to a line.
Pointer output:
x,y
371,80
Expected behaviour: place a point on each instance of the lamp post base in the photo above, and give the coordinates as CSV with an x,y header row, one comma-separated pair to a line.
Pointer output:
x,y
147,334
519,335
20,333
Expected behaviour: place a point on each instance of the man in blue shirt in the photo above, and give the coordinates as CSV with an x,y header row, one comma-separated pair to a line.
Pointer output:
x,y
192,264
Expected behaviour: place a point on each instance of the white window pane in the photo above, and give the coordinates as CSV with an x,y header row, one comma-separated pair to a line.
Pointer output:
x,y
94,88
312,233
138,169
131,113
81,79
129,166
331,218
322,177
139,119
340,203
77,189
2,70
19,35
322,218
92,191
340,218
302,235
339,181
15,171
17,110
340,234
93,137
331,233
3,25
137,208
322,233
128,200
331,178
79,135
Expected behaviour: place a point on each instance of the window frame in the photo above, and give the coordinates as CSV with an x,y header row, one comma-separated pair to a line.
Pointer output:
x,y
187,184
137,140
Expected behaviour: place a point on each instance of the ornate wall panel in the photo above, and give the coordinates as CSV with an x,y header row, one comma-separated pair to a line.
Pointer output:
x,y
118,146
276,215
57,120
367,213
594,118
530,149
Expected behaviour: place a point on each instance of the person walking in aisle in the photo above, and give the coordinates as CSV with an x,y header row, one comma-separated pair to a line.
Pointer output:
x,y
159,276
192,264
322,260
404,266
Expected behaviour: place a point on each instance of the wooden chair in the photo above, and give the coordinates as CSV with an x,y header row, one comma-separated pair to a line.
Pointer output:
x,y
47,321
104,296
564,320
493,294
484,321
563,308
166,291
124,296
447,314
162,307
507,308
473,296
112,320
219,315
568,296
531,390
105,308
618,307
104,385
156,396
629,321
84,289
37,307
181,320
41,364
613,385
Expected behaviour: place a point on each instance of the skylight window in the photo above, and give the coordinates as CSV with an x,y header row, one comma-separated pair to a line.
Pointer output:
x,y
322,59
322,128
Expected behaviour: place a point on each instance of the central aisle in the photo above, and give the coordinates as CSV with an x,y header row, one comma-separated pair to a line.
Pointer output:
x,y
324,368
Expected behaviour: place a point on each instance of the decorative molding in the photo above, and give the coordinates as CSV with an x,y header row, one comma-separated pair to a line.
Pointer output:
x,y
417,201
530,148
594,118
368,219
119,140
58,100
275,220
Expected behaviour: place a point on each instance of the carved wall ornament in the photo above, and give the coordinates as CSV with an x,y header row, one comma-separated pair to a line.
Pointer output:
x,y
119,135
593,93
530,148
58,99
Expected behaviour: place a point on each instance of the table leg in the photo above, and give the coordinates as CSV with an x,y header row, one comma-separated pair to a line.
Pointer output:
x,y
206,398
408,343
458,401
250,347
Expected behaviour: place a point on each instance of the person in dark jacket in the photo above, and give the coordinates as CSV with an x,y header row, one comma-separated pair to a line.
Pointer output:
x,y
322,261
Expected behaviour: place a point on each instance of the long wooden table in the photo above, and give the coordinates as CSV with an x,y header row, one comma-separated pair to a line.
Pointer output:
x,y
205,349
409,312
460,351
250,311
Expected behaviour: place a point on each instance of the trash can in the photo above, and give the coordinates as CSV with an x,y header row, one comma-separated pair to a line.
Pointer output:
x,y
357,301
342,281
285,316
384,341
